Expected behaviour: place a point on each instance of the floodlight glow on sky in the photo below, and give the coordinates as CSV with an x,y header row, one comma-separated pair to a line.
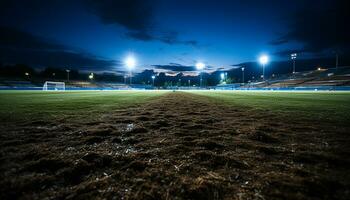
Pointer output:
x,y
263,59
130,62
200,66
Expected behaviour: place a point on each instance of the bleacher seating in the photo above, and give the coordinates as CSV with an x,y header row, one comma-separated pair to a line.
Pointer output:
x,y
320,77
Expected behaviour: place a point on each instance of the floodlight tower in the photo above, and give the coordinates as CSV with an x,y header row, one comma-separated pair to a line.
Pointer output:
x,y
67,70
27,75
222,76
293,56
243,74
153,77
263,61
200,66
130,63
91,76
336,61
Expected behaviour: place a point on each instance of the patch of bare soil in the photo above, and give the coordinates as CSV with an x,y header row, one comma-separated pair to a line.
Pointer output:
x,y
180,146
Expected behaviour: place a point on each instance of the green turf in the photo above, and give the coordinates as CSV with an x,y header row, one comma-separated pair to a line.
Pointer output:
x,y
18,105
24,105
325,106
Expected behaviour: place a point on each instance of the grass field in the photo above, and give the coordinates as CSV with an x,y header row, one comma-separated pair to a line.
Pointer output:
x,y
325,106
174,145
21,105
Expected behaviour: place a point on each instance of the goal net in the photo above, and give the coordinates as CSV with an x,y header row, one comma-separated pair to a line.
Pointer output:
x,y
55,86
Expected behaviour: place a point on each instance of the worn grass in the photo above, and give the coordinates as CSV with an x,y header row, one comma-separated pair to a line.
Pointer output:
x,y
196,145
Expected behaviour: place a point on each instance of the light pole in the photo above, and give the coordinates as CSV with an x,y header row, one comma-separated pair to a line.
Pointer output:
x,y
125,76
293,56
130,62
91,76
200,66
243,74
153,77
263,61
27,75
336,61
67,70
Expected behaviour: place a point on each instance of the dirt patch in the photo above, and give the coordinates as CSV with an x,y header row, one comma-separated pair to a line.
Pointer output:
x,y
179,146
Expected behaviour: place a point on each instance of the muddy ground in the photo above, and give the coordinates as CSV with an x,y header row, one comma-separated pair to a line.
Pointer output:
x,y
179,146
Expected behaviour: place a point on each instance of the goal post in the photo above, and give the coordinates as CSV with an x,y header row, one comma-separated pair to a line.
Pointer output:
x,y
54,86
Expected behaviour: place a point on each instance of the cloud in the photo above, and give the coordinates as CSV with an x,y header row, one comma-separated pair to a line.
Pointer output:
x,y
17,46
175,67
137,17
14,38
288,52
279,41
319,29
170,38
43,58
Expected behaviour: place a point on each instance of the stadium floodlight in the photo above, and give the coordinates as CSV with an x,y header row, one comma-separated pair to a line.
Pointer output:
x,y
200,66
130,63
293,56
91,76
67,70
264,59
153,77
243,74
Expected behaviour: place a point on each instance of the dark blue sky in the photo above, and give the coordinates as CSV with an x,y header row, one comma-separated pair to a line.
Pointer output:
x,y
96,35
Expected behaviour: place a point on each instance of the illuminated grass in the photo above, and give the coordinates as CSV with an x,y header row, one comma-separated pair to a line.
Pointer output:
x,y
29,105
325,106
16,105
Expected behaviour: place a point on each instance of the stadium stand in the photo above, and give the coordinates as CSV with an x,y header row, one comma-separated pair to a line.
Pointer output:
x,y
320,79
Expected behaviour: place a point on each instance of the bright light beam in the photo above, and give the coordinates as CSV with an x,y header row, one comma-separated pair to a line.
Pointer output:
x,y
130,62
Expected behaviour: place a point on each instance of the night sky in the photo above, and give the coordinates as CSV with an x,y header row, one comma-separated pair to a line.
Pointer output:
x,y
168,35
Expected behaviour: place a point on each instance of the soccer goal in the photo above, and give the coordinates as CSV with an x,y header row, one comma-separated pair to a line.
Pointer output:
x,y
56,86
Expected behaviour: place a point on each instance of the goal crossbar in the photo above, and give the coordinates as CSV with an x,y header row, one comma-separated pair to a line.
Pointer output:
x,y
53,85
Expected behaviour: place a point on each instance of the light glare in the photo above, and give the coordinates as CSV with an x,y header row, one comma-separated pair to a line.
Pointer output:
x,y
222,76
200,66
130,62
263,59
